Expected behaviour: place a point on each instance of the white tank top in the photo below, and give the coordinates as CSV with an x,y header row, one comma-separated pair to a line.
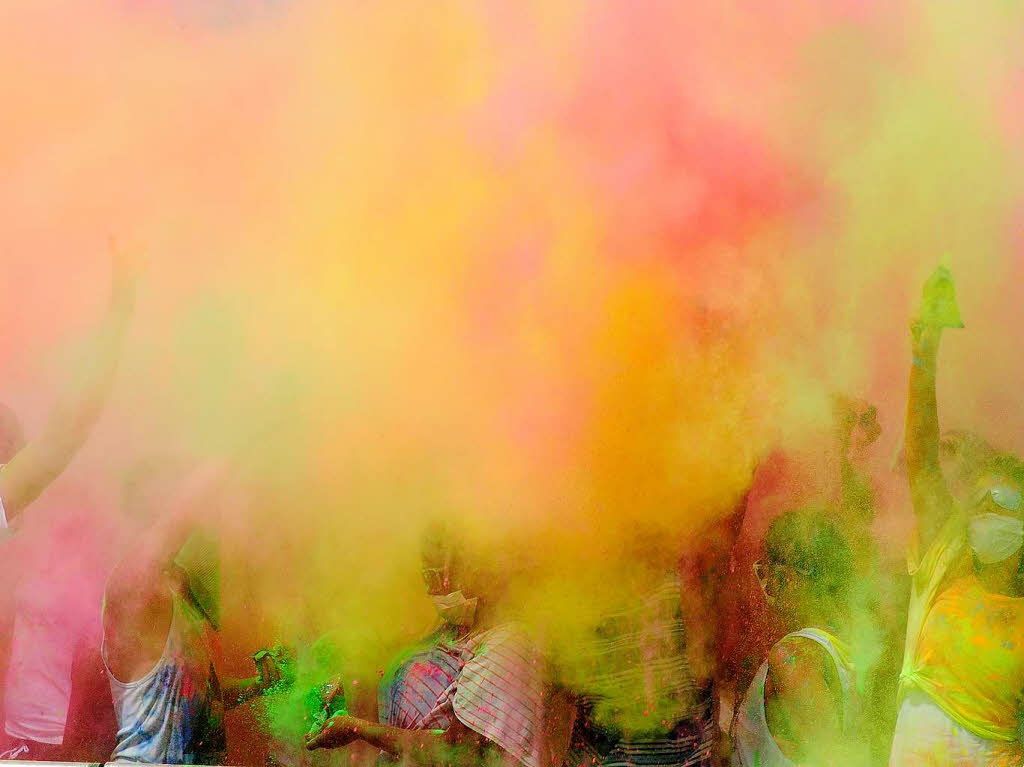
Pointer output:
x,y
753,744
175,713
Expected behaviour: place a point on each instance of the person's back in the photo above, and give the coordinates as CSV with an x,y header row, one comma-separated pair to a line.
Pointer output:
x,y
754,738
639,674
158,637
174,712
160,617
800,707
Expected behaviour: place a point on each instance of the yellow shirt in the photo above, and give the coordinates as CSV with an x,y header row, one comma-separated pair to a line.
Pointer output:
x,y
965,646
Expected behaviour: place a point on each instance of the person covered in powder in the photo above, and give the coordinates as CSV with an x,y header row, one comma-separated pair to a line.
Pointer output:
x,y
878,592
39,677
645,679
161,615
962,680
829,466
472,692
802,705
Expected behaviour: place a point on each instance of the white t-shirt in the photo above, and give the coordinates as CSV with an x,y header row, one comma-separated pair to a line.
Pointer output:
x,y
42,650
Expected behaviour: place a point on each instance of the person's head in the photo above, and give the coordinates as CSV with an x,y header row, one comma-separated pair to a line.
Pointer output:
x,y
963,454
806,566
452,584
12,438
995,513
442,559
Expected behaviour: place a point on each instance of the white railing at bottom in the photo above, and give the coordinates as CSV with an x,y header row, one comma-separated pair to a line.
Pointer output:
x,y
52,764
6,762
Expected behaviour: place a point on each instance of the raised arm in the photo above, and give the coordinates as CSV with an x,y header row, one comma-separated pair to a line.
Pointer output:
x,y
40,461
239,690
137,599
856,427
155,550
929,493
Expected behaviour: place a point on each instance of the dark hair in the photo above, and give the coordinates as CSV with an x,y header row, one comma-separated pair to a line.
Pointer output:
x,y
808,541
480,568
1005,465
440,537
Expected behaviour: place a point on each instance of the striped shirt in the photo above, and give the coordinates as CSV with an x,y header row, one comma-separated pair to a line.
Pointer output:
x,y
500,693
640,701
492,682
690,745
414,694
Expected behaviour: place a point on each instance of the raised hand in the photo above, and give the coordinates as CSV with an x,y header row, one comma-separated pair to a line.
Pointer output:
x,y
938,307
855,422
272,667
324,701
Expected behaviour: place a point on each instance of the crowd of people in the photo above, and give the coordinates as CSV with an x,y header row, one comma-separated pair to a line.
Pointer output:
x,y
805,671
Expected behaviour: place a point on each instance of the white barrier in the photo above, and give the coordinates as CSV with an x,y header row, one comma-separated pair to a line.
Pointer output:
x,y
41,763
52,764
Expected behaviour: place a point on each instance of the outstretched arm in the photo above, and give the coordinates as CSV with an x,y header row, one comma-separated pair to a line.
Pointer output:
x,y
239,690
40,462
929,493
457,746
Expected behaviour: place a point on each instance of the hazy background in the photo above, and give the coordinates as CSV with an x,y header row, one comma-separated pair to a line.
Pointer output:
x,y
558,271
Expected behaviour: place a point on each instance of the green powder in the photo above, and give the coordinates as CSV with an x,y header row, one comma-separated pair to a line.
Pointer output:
x,y
295,705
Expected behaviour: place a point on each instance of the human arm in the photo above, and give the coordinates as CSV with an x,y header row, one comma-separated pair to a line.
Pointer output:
x,y
929,494
856,427
239,690
40,461
137,599
457,746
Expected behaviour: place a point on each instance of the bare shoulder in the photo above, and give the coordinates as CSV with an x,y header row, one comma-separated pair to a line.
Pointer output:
x,y
137,619
797,662
134,598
